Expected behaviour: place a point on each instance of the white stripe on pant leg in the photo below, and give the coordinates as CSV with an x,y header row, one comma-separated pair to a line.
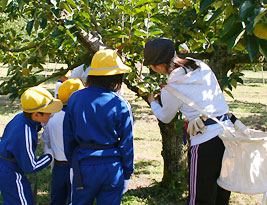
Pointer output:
x,y
193,174
71,187
20,190
192,171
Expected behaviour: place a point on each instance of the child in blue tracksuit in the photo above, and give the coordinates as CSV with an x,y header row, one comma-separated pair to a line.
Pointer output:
x,y
53,139
19,142
98,134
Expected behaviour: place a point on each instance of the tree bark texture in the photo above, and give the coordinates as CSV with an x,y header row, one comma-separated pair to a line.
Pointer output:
x,y
173,151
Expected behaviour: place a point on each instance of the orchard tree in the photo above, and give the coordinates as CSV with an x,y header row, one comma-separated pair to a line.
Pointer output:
x,y
224,33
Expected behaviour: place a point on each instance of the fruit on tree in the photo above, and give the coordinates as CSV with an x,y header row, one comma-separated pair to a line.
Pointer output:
x,y
179,4
260,30
25,71
142,90
187,3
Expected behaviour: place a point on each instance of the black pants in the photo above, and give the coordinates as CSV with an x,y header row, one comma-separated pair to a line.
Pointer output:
x,y
205,161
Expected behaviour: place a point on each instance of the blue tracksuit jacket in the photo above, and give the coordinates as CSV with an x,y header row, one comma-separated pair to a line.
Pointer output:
x,y
96,115
19,141
17,147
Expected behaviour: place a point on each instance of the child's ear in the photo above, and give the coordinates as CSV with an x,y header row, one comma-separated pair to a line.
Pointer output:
x,y
35,116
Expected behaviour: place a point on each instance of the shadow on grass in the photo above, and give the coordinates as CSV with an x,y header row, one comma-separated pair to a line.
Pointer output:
x,y
155,194
249,107
257,122
252,80
256,112
7,107
140,110
142,167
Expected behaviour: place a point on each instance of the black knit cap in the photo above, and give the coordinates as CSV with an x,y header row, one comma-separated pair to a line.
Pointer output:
x,y
158,51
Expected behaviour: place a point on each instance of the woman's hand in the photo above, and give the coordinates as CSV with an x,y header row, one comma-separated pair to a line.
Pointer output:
x,y
151,98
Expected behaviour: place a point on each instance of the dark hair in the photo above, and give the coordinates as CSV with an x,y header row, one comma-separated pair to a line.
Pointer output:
x,y
176,62
111,82
28,115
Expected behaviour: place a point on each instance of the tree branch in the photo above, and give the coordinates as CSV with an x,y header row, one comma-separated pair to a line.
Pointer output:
x,y
244,59
135,89
199,56
232,58
92,41
13,50
56,74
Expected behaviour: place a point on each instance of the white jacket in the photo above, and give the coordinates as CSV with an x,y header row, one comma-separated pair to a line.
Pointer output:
x,y
80,73
200,86
53,135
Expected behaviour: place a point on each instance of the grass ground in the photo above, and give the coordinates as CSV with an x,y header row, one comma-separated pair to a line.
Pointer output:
x,y
249,105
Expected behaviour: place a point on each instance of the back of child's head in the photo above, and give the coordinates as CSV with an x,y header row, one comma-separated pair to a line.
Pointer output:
x,y
107,70
38,99
67,88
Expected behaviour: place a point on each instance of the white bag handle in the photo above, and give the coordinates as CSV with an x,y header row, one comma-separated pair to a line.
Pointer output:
x,y
189,102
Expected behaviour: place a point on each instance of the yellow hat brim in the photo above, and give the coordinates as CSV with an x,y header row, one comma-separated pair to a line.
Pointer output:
x,y
53,107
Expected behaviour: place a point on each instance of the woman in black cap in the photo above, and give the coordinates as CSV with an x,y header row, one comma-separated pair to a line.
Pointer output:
x,y
195,80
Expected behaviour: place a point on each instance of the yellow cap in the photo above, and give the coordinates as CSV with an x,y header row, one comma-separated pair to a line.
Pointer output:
x,y
107,62
38,99
67,88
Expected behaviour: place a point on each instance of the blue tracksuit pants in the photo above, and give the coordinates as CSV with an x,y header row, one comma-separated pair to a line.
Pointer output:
x,y
61,186
15,187
103,182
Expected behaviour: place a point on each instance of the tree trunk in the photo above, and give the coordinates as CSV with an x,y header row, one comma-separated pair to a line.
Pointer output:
x,y
173,151
221,62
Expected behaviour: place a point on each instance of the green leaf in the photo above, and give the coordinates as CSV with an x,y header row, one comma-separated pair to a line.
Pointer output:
x,y
232,36
29,27
70,35
228,24
155,20
238,37
214,16
263,47
205,4
2,38
171,3
142,2
43,22
262,12
246,8
123,8
63,5
237,3
139,10
85,15
154,32
55,12
202,41
229,93
71,2
240,80
4,4
234,83
140,33
21,4
36,25
56,33
252,46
